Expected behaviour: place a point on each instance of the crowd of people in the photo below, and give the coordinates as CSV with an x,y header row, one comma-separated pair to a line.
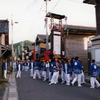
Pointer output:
x,y
68,71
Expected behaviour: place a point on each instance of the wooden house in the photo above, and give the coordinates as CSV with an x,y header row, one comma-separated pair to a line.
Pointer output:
x,y
5,51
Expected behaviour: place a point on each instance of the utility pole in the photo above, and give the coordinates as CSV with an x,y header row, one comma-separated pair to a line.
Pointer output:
x,y
46,25
22,51
12,37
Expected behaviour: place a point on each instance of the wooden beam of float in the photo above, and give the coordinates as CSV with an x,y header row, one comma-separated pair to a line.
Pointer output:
x,y
56,16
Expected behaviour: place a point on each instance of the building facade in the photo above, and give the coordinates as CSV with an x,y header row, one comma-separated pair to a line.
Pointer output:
x,y
5,51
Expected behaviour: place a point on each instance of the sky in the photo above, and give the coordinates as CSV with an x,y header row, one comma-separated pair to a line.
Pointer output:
x,y
30,15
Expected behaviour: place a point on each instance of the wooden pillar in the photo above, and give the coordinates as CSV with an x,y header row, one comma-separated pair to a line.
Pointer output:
x,y
98,16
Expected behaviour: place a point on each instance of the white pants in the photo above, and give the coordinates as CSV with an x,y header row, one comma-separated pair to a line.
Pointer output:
x,y
14,67
82,77
44,75
73,75
77,78
50,76
93,80
31,72
5,73
26,68
18,74
67,79
54,78
36,72
62,76
23,67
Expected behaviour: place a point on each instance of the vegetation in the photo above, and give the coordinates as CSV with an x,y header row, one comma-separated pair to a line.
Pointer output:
x,y
25,43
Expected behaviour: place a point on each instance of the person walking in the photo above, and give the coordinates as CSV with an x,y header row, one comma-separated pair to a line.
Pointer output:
x,y
66,71
26,65
77,67
62,74
19,69
48,68
43,68
31,68
56,69
94,75
5,67
82,74
36,65
14,65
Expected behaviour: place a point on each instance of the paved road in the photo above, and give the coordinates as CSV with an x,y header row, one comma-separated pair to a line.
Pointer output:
x,y
2,90
29,89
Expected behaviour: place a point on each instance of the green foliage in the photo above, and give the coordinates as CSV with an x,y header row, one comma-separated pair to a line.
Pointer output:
x,y
25,43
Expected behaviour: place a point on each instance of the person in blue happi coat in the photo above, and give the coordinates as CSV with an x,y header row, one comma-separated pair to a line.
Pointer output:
x,y
55,68
5,67
94,74
31,68
37,66
26,65
82,74
43,68
19,69
66,71
48,69
77,67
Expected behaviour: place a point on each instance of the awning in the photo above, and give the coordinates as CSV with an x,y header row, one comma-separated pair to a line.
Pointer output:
x,y
4,51
56,16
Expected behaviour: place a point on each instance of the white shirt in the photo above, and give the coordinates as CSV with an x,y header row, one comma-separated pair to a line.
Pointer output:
x,y
18,67
6,65
66,67
31,65
47,65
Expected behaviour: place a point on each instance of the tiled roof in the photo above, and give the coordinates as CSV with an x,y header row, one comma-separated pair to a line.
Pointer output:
x,y
89,1
75,27
4,26
41,37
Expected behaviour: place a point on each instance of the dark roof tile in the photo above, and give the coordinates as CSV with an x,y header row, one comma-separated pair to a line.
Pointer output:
x,y
4,26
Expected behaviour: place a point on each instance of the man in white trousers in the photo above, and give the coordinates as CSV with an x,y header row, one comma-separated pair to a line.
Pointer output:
x,y
19,69
77,67
94,75
5,68
36,65
31,68
56,68
66,71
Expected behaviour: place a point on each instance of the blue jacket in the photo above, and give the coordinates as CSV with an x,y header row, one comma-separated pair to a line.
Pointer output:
x,y
53,66
4,65
99,71
66,69
36,65
43,67
94,70
20,67
30,66
77,67
25,64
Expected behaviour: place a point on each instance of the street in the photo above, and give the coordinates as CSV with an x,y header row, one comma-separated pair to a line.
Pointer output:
x,y
29,89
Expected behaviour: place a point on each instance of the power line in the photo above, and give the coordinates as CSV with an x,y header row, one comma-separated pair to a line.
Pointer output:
x,y
55,5
33,3
40,10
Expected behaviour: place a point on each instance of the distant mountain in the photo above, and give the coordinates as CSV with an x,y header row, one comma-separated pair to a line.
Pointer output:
x,y
26,43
